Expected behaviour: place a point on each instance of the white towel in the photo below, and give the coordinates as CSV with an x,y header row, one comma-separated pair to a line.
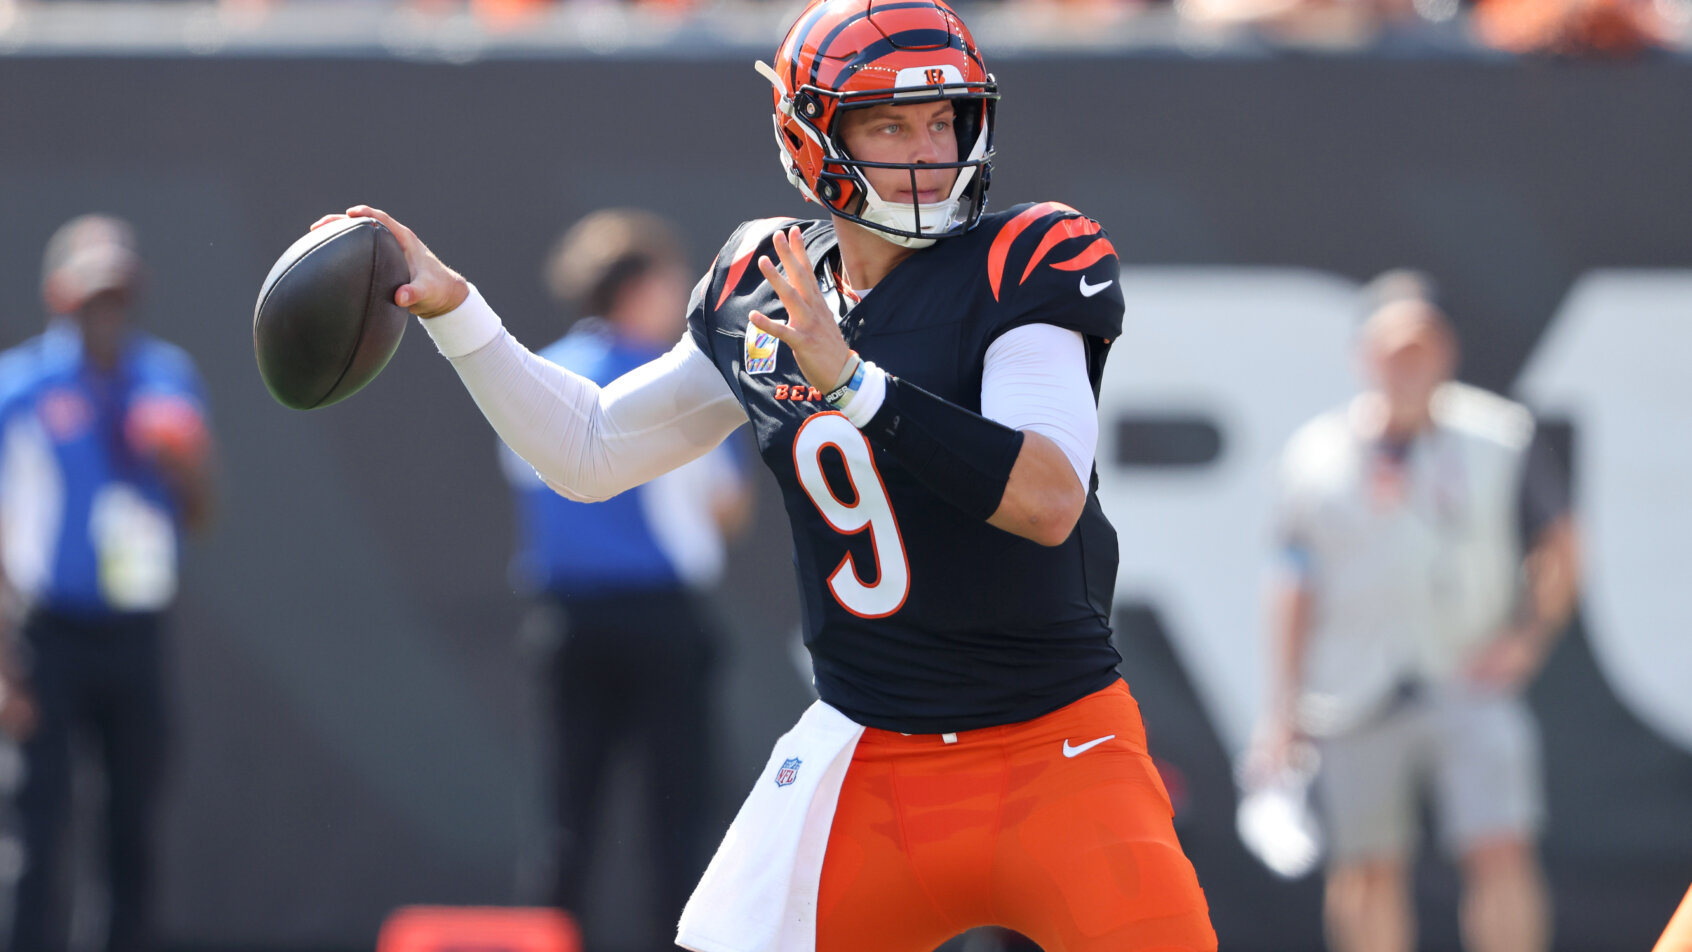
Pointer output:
x,y
760,892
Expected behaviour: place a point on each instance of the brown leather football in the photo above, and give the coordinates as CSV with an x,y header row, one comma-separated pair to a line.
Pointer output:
x,y
326,322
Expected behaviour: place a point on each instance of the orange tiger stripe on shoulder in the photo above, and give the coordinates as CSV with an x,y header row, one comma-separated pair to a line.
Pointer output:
x,y
756,232
1098,249
1062,231
1008,234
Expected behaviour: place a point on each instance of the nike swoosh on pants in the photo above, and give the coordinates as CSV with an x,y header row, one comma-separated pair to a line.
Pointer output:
x,y
1069,751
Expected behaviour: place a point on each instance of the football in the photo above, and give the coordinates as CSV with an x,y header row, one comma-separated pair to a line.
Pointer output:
x,y
326,322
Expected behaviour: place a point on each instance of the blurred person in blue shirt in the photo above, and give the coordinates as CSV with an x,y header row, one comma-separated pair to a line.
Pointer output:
x,y
633,647
104,461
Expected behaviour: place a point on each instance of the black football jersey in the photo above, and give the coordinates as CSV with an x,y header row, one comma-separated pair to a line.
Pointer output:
x,y
918,617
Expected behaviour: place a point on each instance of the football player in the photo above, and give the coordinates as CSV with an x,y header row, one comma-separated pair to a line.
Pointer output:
x,y
1677,936
922,379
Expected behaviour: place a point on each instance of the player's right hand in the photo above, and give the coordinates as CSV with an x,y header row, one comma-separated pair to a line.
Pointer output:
x,y
1274,749
810,330
167,428
434,288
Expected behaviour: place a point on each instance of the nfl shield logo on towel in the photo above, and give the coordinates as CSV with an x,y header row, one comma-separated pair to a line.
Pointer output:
x,y
788,773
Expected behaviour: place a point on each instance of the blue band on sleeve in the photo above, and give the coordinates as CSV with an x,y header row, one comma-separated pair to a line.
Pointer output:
x,y
1297,560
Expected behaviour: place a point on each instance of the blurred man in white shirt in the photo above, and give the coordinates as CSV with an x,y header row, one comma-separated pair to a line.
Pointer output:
x,y
1428,563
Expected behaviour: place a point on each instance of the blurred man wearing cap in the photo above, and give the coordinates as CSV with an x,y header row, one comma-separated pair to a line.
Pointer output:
x,y
1428,560
104,460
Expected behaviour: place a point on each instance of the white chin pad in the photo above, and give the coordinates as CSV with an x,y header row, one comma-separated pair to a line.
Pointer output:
x,y
936,218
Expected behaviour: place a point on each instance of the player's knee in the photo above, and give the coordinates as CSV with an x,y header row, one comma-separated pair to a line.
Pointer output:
x,y
1498,857
1367,877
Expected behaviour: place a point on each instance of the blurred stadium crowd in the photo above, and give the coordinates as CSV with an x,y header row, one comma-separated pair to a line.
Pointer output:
x,y
1558,28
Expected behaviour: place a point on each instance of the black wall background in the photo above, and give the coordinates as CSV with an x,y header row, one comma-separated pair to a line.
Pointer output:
x,y
354,701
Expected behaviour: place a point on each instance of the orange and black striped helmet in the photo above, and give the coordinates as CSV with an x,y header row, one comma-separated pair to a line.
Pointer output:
x,y
847,54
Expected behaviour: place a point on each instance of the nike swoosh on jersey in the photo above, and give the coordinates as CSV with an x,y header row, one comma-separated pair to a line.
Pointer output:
x,y
1069,751
1088,290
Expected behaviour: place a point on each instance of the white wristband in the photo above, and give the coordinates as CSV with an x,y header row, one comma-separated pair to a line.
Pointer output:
x,y
861,408
464,329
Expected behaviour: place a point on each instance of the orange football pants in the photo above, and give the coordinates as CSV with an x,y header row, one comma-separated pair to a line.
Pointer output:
x,y
1677,937
1030,826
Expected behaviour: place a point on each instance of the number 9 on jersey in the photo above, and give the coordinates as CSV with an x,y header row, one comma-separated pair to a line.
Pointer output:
x,y
870,510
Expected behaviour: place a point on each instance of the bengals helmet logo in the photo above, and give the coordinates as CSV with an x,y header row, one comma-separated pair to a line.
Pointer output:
x,y
936,76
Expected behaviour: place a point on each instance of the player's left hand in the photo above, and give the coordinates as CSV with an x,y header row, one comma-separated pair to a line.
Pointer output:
x,y
810,329
1510,660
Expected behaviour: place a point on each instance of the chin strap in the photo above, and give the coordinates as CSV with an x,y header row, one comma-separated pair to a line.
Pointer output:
x,y
768,72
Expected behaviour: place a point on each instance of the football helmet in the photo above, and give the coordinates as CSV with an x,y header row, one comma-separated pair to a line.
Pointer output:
x,y
850,54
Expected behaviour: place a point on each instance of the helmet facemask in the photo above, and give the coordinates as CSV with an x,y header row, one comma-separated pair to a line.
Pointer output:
x,y
912,224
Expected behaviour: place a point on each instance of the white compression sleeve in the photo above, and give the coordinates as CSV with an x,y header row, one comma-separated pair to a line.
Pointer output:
x,y
1035,378
588,442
